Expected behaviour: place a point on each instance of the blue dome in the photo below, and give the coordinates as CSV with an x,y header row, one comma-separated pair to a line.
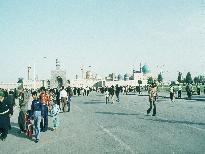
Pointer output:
x,y
145,69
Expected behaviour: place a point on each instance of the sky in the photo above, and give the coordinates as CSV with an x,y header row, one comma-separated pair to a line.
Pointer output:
x,y
110,36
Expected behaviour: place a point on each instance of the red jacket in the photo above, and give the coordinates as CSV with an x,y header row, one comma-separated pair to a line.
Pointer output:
x,y
45,99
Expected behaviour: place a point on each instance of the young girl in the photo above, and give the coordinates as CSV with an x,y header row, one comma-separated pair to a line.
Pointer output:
x,y
54,113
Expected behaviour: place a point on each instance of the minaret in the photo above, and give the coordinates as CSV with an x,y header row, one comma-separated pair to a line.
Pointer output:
x,y
29,68
57,64
140,68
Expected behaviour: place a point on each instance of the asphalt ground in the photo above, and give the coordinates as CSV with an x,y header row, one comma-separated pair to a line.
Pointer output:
x,y
93,127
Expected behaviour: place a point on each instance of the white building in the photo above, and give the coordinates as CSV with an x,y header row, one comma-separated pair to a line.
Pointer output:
x,y
9,85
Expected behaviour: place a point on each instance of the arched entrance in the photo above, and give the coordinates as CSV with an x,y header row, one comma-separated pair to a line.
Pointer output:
x,y
59,81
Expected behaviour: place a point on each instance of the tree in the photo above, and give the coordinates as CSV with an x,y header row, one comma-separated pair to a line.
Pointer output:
x,y
196,80
189,78
139,82
150,80
20,80
201,79
160,78
179,79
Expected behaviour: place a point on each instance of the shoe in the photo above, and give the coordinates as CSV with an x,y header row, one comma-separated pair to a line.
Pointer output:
x,y
3,139
154,115
37,140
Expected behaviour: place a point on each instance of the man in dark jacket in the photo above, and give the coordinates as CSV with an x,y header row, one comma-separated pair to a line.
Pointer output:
x,y
4,116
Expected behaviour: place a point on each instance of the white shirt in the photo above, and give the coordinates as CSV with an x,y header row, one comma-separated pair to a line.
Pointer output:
x,y
179,87
55,110
63,93
106,94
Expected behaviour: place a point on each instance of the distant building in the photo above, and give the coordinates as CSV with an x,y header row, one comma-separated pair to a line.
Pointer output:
x,y
111,77
9,85
58,77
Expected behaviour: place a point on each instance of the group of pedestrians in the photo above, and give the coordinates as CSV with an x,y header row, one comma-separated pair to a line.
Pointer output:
x,y
45,102
112,92
173,90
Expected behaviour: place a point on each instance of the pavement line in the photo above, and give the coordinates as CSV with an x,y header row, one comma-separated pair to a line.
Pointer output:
x,y
116,138
200,129
78,108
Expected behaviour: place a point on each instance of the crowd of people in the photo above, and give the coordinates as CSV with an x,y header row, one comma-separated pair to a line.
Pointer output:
x,y
53,101
45,102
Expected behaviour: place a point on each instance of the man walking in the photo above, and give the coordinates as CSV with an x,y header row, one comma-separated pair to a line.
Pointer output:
x,y
152,98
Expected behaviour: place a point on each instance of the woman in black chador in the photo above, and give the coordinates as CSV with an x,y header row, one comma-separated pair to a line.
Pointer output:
x,y
4,116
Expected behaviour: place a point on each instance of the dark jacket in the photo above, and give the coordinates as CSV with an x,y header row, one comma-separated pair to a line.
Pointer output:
x,y
4,114
36,106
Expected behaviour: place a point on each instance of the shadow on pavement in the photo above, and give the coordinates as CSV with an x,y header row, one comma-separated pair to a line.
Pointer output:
x,y
94,102
16,131
198,98
175,121
143,95
115,113
131,93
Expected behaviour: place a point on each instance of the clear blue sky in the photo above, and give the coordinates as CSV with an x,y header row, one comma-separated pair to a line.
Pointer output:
x,y
109,35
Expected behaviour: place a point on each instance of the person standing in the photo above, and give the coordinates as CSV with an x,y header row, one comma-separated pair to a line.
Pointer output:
x,y
78,91
63,99
112,93
189,90
198,87
87,90
106,96
4,116
117,92
23,99
36,108
45,100
70,94
179,91
54,113
152,98
171,91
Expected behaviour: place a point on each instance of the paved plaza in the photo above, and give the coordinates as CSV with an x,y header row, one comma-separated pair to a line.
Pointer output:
x,y
94,127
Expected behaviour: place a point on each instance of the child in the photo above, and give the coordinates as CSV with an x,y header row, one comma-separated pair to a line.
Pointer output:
x,y
54,113
29,125
36,109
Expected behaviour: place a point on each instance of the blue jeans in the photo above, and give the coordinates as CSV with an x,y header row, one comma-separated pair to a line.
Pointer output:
x,y
45,118
37,120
